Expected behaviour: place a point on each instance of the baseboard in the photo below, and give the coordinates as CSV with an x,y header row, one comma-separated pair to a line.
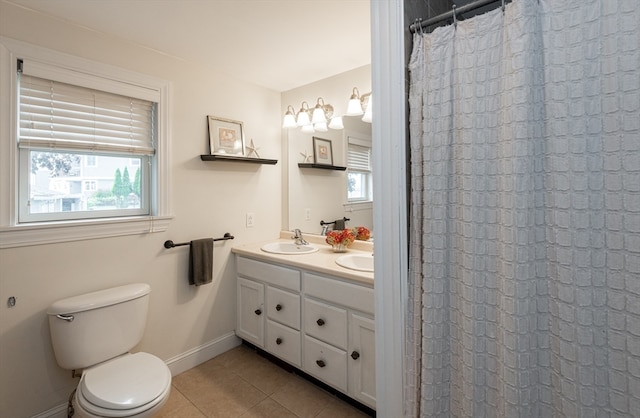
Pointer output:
x,y
190,359
178,364
59,411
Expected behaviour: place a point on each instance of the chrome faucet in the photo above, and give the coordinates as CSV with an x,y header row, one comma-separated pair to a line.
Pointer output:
x,y
298,238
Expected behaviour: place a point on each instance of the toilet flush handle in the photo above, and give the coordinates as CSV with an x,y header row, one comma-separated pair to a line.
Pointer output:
x,y
68,318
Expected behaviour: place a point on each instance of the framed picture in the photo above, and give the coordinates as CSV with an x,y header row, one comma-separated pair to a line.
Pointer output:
x,y
322,151
225,136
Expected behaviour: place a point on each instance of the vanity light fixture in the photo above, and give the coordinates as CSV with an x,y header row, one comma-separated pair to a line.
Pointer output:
x,y
289,118
302,118
354,108
320,119
368,112
357,103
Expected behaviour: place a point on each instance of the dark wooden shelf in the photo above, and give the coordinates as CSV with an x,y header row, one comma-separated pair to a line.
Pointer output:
x,y
322,166
216,157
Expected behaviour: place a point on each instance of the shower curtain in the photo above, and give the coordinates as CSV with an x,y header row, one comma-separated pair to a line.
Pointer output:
x,y
524,284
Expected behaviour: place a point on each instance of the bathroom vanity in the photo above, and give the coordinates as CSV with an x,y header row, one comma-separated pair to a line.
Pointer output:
x,y
310,312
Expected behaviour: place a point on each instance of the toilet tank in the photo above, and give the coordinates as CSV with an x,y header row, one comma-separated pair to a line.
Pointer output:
x,y
91,328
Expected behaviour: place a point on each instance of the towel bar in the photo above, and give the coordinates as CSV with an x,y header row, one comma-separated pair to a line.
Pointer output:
x,y
323,223
171,244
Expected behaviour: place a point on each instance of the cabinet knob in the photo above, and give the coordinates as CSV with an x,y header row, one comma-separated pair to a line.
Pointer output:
x,y
320,322
278,340
320,363
355,355
258,312
278,307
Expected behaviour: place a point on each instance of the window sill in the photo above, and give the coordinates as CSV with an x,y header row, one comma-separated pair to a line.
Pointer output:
x,y
355,206
65,231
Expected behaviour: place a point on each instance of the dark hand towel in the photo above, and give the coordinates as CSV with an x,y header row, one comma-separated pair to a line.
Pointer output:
x,y
201,261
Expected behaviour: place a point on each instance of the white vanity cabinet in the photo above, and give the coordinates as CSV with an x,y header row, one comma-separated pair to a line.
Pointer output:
x,y
319,323
339,335
268,308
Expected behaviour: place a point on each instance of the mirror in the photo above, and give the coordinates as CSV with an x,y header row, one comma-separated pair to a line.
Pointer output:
x,y
311,194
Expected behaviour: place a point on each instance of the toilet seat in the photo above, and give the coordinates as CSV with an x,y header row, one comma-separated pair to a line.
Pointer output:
x,y
124,386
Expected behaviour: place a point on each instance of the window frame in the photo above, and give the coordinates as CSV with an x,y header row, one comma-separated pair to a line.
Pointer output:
x,y
16,234
368,174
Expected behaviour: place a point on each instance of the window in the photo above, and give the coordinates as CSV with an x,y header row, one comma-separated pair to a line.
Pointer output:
x,y
88,156
61,125
90,185
90,161
359,184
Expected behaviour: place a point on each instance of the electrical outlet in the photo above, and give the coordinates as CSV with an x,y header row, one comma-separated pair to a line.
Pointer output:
x,y
250,218
307,214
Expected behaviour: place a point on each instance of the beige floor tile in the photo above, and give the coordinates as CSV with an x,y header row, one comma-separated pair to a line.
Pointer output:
x,y
268,409
302,398
223,395
265,375
178,406
235,357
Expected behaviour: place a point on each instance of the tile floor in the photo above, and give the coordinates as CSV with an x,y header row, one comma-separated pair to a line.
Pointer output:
x,y
243,383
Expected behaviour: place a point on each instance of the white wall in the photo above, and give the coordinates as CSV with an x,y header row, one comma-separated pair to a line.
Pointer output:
x,y
322,191
208,199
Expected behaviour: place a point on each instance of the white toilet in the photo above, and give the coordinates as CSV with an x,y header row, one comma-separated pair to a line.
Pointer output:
x,y
94,332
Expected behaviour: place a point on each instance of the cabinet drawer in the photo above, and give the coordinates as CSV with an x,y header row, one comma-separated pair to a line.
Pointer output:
x,y
359,297
269,273
284,307
283,342
325,322
325,362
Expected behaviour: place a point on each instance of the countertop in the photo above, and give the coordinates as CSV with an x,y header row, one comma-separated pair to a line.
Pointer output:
x,y
322,261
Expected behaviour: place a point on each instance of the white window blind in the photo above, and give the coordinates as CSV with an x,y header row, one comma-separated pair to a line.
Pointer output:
x,y
358,157
60,116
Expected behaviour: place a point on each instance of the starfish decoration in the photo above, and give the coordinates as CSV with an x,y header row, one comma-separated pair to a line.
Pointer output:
x,y
307,157
252,149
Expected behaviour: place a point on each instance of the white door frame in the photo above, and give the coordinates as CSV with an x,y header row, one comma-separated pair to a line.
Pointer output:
x,y
390,201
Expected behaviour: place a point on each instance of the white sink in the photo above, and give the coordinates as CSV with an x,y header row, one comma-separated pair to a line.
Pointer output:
x,y
360,262
288,248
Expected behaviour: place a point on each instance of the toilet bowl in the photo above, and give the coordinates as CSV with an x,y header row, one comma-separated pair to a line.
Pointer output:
x,y
134,385
94,332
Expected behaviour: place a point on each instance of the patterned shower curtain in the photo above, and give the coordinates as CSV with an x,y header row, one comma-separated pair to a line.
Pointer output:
x,y
524,293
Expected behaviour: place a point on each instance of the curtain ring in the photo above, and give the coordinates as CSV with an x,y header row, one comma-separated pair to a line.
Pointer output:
x,y
455,19
418,24
502,6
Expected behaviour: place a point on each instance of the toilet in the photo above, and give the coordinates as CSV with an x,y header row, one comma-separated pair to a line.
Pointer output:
x,y
94,332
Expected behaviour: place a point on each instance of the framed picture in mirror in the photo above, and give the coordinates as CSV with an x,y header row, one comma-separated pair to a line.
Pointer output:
x,y
225,136
322,151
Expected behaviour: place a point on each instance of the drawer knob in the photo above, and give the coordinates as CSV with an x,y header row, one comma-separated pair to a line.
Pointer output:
x,y
320,322
278,340
320,363
355,355
258,312
278,307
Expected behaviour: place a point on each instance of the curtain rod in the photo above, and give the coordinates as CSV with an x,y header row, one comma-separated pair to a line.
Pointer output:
x,y
419,24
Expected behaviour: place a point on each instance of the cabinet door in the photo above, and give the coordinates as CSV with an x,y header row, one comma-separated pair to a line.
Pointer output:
x,y
362,359
325,362
250,311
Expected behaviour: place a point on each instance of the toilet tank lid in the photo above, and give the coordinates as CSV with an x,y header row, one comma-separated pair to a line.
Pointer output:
x,y
99,299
